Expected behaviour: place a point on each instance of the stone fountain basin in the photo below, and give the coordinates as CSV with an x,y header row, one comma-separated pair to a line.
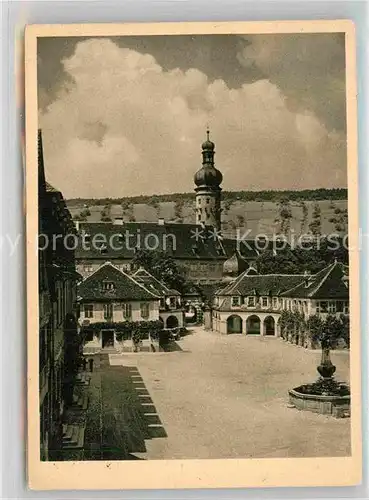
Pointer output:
x,y
337,406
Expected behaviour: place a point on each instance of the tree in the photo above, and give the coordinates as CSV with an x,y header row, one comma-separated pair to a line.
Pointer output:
x,y
313,257
315,225
284,216
305,214
333,331
345,322
162,266
283,261
340,220
315,327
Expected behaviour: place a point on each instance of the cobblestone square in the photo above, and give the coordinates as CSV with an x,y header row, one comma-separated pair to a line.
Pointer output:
x,y
227,397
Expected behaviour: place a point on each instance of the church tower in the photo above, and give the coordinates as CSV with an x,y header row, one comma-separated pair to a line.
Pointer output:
x,y
208,190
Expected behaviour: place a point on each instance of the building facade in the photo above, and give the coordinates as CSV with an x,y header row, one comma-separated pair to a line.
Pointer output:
x,y
58,329
171,310
108,297
252,304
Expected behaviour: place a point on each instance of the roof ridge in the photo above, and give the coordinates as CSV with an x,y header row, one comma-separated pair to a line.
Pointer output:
x,y
100,267
141,285
328,269
108,263
236,282
154,278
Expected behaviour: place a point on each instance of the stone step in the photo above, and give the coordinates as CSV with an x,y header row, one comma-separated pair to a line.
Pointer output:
x,y
83,378
67,435
77,438
80,402
71,438
91,350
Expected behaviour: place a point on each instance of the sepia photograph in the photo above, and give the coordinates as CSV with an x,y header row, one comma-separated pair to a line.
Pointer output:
x,y
193,251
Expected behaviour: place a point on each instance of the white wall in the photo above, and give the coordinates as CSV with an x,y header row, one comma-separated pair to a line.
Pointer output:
x,y
98,313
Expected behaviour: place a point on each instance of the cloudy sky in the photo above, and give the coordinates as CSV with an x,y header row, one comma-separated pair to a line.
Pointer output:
x,y
127,116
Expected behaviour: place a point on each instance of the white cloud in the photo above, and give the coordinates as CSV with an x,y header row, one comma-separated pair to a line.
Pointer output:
x,y
126,127
308,68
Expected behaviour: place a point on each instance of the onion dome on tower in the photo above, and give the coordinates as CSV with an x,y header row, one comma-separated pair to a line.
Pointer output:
x,y
208,175
208,190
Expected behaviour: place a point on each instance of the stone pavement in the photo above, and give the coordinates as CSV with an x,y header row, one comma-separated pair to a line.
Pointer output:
x,y
227,397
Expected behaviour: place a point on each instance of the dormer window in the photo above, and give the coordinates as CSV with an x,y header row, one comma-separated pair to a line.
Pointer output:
x,y
236,301
108,285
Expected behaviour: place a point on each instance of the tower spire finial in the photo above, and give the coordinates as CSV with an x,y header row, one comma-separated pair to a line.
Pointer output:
x,y
207,132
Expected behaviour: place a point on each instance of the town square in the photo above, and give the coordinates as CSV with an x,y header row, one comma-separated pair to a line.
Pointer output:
x,y
222,397
194,285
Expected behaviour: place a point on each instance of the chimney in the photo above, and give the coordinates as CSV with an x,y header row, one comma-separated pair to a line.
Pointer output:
x,y
118,221
161,222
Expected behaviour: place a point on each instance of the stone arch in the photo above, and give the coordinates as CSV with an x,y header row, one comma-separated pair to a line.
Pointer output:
x,y
269,326
234,324
172,322
253,325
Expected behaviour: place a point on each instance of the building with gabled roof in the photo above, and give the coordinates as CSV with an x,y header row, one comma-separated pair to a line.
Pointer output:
x,y
253,303
110,296
110,283
171,310
331,282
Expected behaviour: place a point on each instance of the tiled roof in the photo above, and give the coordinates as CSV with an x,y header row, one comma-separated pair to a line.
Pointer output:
x,y
178,240
153,284
245,249
329,283
125,287
261,284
